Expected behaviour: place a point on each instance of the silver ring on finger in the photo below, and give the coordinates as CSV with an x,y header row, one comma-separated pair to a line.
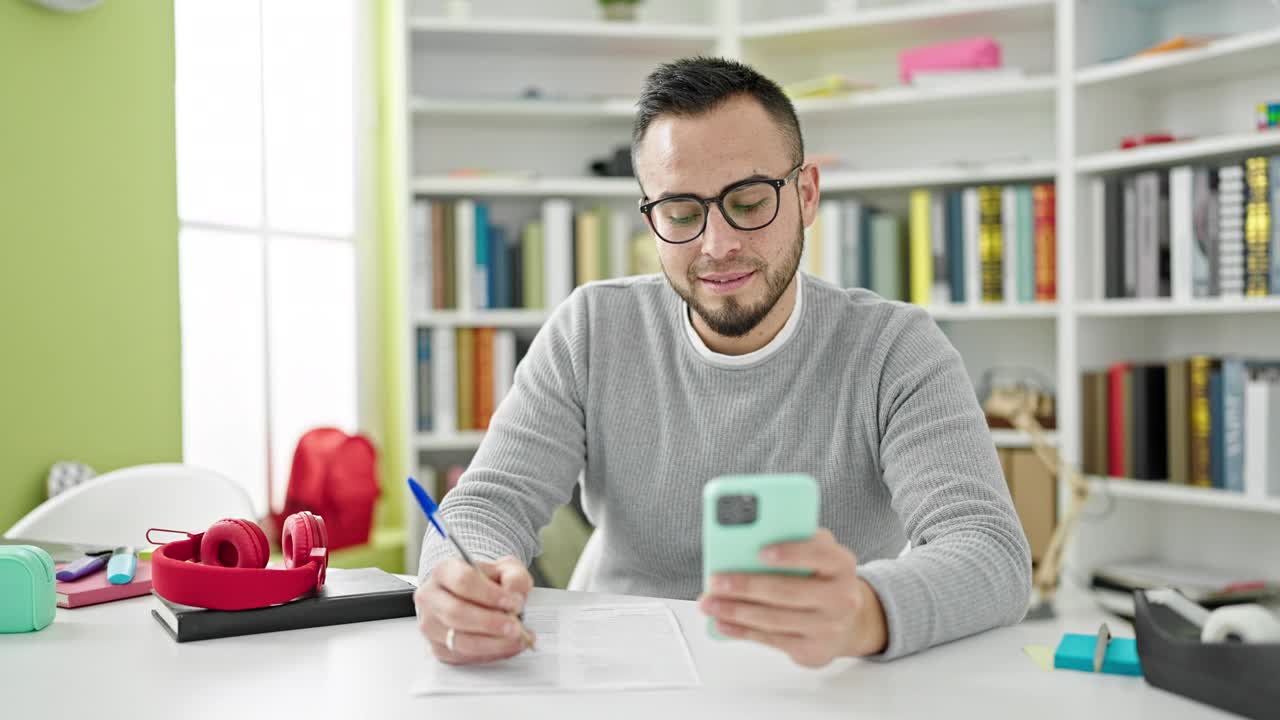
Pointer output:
x,y
448,640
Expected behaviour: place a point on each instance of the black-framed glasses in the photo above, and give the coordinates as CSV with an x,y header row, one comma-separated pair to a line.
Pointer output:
x,y
747,205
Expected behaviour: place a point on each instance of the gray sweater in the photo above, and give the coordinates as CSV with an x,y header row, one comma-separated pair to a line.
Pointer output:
x,y
866,395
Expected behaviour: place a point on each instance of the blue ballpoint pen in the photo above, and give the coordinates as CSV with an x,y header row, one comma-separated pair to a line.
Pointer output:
x,y
431,510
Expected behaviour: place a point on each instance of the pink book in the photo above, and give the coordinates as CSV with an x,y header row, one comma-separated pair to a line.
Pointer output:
x,y
967,54
95,588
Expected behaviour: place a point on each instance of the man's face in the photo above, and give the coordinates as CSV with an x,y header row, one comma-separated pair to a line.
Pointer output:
x,y
731,278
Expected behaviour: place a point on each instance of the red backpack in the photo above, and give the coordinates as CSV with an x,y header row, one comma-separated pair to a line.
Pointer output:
x,y
334,475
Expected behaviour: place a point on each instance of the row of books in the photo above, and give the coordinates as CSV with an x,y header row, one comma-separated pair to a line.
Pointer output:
x,y
1202,421
462,374
462,260
987,244
1191,231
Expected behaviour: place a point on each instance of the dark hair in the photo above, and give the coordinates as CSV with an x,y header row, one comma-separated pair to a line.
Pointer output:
x,y
697,85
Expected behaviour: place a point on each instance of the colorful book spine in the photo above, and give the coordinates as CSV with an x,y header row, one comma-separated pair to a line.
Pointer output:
x,y
920,262
604,246
1094,426
424,379
1217,434
449,254
531,237
483,377
499,268
587,242
420,256
439,266
1177,415
504,364
1026,244
990,244
557,245
1046,242
464,236
1181,235
1147,186
483,262
1114,193
864,252
1149,419
1010,241
1130,235
1274,282
444,378
1117,389
466,359
1257,228
1233,430
832,213
887,257
972,247
1199,369
940,292
852,240
1231,215
956,251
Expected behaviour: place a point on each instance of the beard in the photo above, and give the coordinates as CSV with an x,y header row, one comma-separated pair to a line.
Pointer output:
x,y
733,318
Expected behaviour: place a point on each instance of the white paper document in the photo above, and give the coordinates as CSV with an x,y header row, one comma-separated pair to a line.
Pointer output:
x,y
579,648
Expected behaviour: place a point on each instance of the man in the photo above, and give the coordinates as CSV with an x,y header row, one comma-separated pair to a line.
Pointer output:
x,y
746,367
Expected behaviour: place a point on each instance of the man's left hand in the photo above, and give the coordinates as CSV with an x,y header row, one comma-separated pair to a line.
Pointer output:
x,y
815,618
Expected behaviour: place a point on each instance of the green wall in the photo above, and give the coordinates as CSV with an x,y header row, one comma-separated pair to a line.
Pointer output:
x,y
90,366
391,192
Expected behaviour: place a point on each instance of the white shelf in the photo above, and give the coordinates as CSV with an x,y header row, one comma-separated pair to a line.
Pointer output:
x,y
514,319
518,110
1005,438
1126,307
994,311
846,180
1175,152
1161,491
466,440
1031,89
504,34
993,16
526,187
1035,88
1236,55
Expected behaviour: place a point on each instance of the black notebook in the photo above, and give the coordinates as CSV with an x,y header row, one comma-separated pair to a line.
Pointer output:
x,y
348,596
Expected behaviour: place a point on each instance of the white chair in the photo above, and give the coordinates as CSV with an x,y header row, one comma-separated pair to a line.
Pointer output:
x,y
118,507
584,572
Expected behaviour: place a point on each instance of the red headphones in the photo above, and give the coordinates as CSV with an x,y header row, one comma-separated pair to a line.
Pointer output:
x,y
227,561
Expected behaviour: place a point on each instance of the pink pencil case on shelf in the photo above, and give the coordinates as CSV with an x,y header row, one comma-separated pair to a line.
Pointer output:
x,y
966,54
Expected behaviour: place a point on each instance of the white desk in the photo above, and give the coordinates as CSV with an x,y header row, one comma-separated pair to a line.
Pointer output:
x,y
115,661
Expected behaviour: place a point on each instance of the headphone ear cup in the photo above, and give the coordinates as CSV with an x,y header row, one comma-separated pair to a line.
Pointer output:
x,y
235,543
302,533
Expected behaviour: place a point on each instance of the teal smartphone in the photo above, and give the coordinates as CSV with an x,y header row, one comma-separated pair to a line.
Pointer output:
x,y
743,514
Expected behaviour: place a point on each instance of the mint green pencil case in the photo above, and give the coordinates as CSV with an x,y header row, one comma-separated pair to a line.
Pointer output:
x,y
28,597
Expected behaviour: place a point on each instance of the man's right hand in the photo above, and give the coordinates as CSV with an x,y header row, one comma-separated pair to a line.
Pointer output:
x,y
480,610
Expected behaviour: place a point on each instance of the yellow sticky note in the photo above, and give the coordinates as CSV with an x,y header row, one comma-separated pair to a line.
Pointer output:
x,y
1041,655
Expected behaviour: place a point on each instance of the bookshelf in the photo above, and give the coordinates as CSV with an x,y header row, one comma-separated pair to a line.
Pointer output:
x,y
1061,122
1256,141
990,16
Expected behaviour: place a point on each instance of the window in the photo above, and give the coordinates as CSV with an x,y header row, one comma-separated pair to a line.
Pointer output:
x,y
266,103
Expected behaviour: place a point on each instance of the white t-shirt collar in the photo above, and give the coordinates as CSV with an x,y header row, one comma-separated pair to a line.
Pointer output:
x,y
755,356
